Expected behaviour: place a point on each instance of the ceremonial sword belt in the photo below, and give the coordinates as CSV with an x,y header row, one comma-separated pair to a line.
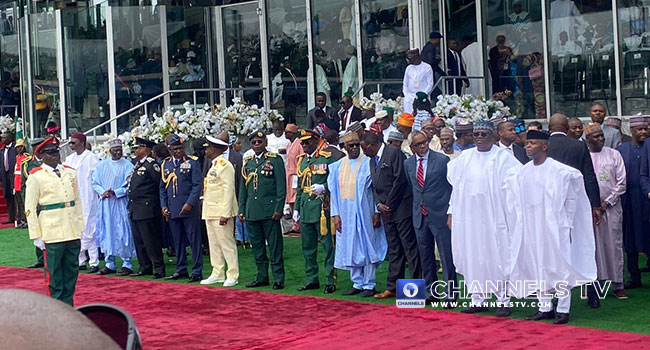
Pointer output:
x,y
53,206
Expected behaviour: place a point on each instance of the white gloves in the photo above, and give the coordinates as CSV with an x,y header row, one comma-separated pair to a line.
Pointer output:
x,y
294,181
317,189
39,243
296,216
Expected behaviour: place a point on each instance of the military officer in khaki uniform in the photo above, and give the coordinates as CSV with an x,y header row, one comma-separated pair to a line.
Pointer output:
x,y
55,219
312,209
219,211
261,194
29,163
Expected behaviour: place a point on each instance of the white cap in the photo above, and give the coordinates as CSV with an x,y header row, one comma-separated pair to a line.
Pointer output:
x,y
216,141
381,114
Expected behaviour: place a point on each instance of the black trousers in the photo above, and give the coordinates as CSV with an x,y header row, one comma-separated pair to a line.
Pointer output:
x,y
11,205
633,267
147,236
20,208
402,247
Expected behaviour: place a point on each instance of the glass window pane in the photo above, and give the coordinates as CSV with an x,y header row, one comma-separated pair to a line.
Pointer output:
x,y
580,36
461,32
635,56
44,70
10,76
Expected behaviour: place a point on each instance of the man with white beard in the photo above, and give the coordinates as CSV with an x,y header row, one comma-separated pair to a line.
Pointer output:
x,y
480,212
553,242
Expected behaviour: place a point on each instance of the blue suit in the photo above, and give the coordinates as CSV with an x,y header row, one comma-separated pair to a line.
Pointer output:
x,y
431,229
183,183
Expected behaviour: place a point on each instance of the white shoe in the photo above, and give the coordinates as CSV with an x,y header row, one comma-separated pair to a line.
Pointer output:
x,y
213,280
230,282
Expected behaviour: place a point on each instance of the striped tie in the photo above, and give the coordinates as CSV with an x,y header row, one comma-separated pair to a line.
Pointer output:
x,y
420,177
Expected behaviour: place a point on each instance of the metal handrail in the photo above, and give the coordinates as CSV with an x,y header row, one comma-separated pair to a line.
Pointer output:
x,y
447,77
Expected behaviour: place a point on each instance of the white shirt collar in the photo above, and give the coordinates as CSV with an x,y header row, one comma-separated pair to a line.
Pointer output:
x,y
504,146
558,133
426,157
381,151
58,166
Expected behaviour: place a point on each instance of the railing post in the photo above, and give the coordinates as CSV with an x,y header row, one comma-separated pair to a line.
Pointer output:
x,y
94,137
194,97
146,112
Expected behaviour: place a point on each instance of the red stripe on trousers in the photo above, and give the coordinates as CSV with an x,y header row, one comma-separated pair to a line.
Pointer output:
x,y
47,273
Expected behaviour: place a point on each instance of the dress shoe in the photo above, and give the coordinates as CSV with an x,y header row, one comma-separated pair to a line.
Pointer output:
x,y
195,278
158,275
256,284
93,269
35,265
230,282
213,279
309,286
140,274
368,293
620,294
177,276
329,289
561,318
385,295
278,285
239,243
633,285
502,311
541,316
474,309
82,267
125,271
352,291
106,271
593,303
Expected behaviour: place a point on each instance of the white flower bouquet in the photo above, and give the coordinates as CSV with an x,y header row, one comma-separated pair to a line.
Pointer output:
x,y
453,108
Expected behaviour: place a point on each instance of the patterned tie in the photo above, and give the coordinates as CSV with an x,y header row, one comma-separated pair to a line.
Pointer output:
x,y
57,172
376,161
420,177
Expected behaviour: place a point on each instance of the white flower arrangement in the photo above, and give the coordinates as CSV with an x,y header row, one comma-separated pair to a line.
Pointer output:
x,y
7,124
380,102
453,108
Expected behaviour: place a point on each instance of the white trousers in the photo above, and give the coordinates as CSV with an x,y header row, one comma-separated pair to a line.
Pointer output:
x,y
223,249
88,244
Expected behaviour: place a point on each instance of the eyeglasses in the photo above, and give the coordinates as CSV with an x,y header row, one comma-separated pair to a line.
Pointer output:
x,y
420,144
74,142
257,142
481,134
353,145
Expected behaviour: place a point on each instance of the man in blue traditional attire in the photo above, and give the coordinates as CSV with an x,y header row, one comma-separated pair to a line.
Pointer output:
x,y
360,239
114,237
636,231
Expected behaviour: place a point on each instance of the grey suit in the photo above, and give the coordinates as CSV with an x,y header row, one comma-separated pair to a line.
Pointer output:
x,y
431,229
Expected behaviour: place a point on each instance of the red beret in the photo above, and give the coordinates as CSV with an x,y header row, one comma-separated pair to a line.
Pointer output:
x,y
51,143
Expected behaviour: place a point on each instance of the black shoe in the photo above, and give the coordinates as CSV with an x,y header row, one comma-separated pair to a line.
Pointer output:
x,y
158,275
633,285
278,285
195,278
35,265
561,318
140,274
593,303
368,293
177,276
541,316
474,309
106,271
239,243
309,286
82,267
502,311
329,289
352,291
125,271
256,284
93,269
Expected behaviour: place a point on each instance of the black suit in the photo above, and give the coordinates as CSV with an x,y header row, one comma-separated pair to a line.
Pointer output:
x,y
452,69
519,153
145,215
390,187
7,178
333,121
575,153
236,159
354,116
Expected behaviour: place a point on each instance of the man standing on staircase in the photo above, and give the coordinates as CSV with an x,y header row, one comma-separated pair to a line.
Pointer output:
x,y
7,165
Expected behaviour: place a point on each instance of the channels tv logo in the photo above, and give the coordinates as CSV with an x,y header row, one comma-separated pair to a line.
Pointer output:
x,y
410,294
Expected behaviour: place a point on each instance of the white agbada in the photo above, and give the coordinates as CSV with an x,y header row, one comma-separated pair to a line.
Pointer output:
x,y
84,164
553,240
350,76
275,144
483,216
564,17
472,57
416,78
322,85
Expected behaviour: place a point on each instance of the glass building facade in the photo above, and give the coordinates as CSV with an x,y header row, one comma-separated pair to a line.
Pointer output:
x,y
79,66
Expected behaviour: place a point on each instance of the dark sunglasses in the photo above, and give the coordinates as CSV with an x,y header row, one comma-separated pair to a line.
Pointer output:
x,y
256,142
353,145
481,134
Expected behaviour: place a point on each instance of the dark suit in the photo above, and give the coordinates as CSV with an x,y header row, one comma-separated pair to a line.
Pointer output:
x,y
452,69
354,116
519,153
431,229
7,178
431,56
236,159
575,154
145,215
390,187
333,121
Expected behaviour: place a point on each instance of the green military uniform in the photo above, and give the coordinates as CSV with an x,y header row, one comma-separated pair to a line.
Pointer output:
x,y
262,193
314,213
27,165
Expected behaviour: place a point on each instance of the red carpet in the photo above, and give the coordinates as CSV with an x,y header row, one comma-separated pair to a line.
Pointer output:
x,y
4,213
179,316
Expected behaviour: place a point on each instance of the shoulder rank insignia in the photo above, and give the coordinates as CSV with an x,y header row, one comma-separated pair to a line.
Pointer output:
x,y
270,155
149,159
193,157
156,167
301,155
325,154
35,170
27,213
222,162
26,159
248,158
68,167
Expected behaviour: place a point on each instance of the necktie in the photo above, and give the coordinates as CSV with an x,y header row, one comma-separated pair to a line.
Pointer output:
x,y
376,161
175,162
345,120
6,156
57,172
420,177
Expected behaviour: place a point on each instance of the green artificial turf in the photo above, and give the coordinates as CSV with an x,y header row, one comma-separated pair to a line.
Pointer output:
x,y
629,315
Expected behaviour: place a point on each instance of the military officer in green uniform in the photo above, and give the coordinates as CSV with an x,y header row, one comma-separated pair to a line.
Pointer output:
x,y
27,165
312,209
261,201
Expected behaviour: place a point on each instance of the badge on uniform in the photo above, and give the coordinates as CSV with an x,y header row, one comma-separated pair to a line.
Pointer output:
x,y
27,213
222,162
267,169
319,168
156,167
141,171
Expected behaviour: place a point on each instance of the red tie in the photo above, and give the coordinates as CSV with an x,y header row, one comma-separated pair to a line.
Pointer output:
x,y
345,120
420,177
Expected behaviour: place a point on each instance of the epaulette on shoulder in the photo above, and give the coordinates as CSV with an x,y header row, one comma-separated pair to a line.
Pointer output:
x,y
68,167
35,170
248,158
325,154
270,155
26,159
150,159
302,155
193,157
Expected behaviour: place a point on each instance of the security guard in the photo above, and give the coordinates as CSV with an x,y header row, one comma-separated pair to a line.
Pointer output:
x,y
261,193
180,188
144,211
312,208
29,163
53,211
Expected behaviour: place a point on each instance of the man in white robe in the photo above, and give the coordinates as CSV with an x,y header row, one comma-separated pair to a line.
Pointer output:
x,y
360,239
565,16
277,142
482,217
351,72
83,162
322,85
553,241
612,178
417,77
473,56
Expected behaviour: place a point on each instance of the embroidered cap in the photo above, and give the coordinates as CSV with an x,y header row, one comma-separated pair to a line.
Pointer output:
x,y
395,136
446,132
406,119
592,128
114,143
350,136
483,125
638,120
